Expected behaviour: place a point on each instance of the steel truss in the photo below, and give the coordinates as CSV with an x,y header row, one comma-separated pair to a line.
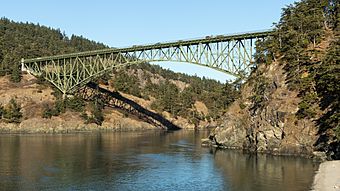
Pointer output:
x,y
232,54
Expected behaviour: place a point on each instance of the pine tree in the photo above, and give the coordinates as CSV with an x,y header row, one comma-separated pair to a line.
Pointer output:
x,y
12,113
2,110
16,74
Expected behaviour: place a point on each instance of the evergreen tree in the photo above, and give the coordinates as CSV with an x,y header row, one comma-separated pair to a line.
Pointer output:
x,y
27,40
48,112
311,72
12,112
75,104
1,65
16,74
2,110
97,115
328,88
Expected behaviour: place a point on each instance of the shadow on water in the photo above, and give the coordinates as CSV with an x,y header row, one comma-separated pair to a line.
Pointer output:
x,y
115,100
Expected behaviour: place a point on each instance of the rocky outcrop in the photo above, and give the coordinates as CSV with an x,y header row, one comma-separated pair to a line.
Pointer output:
x,y
263,119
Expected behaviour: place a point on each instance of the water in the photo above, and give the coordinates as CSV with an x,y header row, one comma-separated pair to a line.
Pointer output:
x,y
150,160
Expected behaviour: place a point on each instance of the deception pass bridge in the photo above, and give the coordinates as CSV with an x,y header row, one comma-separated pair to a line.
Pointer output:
x,y
232,54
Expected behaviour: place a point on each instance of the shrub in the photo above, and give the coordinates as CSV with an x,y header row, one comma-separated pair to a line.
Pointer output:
x,y
12,112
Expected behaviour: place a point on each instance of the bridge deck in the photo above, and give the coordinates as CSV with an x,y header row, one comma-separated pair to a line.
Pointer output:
x,y
207,39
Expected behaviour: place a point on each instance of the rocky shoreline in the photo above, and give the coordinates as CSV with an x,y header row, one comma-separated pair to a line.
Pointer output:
x,y
60,125
62,130
328,177
212,142
71,123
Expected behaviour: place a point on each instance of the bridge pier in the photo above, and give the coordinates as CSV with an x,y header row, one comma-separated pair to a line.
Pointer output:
x,y
23,68
65,95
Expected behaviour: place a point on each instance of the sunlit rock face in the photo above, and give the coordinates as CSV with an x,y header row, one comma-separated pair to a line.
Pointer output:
x,y
269,126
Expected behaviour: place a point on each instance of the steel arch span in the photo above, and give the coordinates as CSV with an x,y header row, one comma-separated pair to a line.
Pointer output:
x,y
232,54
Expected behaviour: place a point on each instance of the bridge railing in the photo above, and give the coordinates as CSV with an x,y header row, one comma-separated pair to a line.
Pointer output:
x,y
207,39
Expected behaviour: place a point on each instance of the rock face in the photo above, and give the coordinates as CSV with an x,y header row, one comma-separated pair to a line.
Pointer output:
x,y
263,119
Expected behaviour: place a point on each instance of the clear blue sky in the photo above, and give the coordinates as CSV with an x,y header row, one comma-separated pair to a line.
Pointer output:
x,y
131,22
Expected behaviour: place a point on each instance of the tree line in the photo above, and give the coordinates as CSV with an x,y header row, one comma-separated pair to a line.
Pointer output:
x,y
27,40
305,30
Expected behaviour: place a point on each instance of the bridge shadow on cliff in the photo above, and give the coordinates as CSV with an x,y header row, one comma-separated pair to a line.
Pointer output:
x,y
115,100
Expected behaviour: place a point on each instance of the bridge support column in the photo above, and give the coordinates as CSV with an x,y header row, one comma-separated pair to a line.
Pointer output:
x,y
23,69
64,95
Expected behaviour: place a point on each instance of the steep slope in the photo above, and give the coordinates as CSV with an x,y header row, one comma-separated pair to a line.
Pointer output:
x,y
33,98
290,104
264,119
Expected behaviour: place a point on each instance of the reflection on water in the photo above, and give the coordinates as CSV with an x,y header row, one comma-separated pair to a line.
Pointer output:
x,y
150,160
265,172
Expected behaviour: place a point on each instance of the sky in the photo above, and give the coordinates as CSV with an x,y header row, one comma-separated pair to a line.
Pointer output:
x,y
134,22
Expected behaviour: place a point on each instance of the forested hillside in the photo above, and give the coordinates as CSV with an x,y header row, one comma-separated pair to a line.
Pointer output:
x,y
307,41
176,93
291,102
180,95
28,40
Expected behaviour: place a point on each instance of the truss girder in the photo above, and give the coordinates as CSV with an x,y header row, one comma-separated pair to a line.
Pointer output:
x,y
233,56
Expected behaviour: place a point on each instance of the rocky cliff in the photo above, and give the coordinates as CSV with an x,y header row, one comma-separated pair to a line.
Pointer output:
x,y
290,103
264,118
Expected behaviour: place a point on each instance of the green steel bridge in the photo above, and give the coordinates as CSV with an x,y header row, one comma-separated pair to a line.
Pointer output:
x,y
232,54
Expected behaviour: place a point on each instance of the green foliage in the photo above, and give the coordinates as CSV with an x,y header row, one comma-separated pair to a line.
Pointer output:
x,y
315,74
55,110
97,115
84,116
265,50
168,99
2,110
75,104
260,96
2,71
328,88
215,95
12,112
59,107
301,28
127,83
242,105
27,40
337,131
16,74
195,118
306,107
48,112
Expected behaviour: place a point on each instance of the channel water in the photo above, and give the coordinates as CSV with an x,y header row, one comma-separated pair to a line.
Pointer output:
x,y
150,160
